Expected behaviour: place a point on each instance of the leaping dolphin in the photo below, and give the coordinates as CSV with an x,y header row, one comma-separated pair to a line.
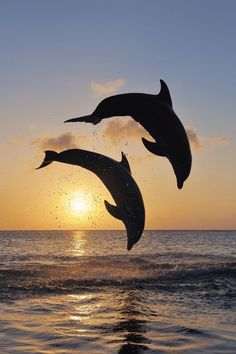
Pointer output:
x,y
155,113
117,178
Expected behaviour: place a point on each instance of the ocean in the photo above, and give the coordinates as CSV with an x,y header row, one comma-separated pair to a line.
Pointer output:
x,y
83,292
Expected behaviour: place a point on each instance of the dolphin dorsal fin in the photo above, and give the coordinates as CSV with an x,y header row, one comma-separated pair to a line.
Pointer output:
x,y
125,163
113,210
164,94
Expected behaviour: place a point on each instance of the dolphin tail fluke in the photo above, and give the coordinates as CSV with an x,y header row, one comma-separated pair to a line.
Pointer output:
x,y
156,147
87,119
50,156
113,210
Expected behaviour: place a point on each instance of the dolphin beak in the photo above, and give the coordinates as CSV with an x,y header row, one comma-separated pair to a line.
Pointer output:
x,y
87,119
179,172
129,245
180,184
133,236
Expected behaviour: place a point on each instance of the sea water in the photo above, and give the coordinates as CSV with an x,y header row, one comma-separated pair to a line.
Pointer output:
x,y
83,292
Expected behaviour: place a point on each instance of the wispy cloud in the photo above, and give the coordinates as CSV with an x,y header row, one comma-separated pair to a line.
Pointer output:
x,y
117,129
63,141
200,142
107,87
194,140
220,139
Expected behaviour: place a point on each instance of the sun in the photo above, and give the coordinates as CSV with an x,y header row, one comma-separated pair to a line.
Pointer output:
x,y
79,204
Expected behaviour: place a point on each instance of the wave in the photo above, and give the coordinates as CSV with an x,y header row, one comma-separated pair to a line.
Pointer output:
x,y
97,272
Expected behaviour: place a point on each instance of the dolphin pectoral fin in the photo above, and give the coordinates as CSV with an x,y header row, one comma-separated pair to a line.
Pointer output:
x,y
125,163
156,147
113,210
87,119
164,94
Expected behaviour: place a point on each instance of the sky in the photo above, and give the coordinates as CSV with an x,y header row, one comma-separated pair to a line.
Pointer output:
x,y
59,59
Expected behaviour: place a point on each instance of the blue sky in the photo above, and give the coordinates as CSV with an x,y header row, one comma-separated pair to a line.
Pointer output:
x,y
51,51
57,47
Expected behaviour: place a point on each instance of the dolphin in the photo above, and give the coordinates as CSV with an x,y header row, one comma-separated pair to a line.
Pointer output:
x,y
116,176
155,113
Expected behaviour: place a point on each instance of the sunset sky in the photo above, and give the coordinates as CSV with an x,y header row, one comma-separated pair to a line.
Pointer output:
x,y
59,59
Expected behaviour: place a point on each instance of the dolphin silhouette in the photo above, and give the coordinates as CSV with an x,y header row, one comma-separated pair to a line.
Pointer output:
x,y
155,113
116,176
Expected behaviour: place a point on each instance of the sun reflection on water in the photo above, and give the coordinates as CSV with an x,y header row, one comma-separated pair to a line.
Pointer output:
x,y
85,314
79,243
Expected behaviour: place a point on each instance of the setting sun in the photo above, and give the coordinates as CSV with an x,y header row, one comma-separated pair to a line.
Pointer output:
x,y
79,203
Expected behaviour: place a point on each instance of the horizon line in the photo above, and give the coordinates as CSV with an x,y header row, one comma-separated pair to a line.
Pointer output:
x,y
63,230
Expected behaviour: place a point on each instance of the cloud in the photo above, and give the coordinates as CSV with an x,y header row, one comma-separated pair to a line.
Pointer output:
x,y
107,87
131,129
221,139
117,129
59,142
199,143
194,140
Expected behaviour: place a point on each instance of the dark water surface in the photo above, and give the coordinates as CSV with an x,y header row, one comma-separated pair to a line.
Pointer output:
x,y
82,292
